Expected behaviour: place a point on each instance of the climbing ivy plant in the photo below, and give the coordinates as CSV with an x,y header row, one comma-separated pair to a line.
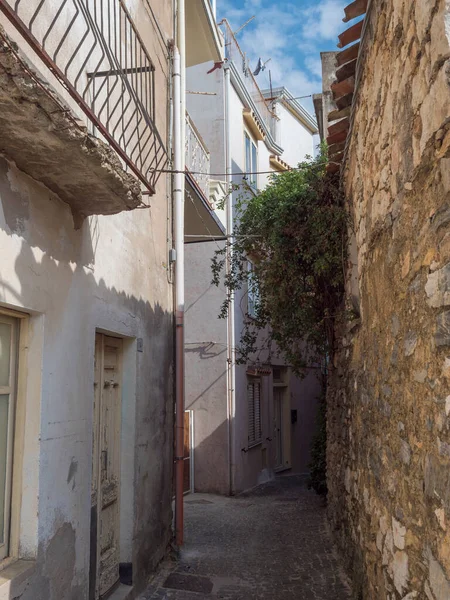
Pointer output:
x,y
295,234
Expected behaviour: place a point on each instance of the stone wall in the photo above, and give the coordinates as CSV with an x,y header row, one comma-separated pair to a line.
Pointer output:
x,y
389,394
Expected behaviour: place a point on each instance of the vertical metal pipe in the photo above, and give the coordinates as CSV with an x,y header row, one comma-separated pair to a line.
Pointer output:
x,y
179,300
181,34
230,321
179,122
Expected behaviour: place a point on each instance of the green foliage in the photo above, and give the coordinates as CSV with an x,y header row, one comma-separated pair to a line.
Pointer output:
x,y
295,233
318,465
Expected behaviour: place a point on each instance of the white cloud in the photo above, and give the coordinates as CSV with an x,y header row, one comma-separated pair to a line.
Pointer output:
x,y
274,38
314,65
324,21
291,35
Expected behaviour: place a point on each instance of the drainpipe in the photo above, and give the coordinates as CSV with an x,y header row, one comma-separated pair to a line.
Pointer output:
x,y
230,321
178,193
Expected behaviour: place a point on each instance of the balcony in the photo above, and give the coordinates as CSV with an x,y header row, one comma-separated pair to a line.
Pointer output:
x,y
202,36
197,157
201,221
90,135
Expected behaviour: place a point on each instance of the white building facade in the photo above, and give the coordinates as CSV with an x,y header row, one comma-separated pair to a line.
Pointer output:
x,y
248,421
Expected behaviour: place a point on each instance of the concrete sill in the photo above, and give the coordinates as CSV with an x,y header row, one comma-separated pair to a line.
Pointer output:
x,y
14,578
254,445
282,468
122,592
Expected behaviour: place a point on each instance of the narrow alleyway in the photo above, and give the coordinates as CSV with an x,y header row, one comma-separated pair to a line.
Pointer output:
x,y
269,544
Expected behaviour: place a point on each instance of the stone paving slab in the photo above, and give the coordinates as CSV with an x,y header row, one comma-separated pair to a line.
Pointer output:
x,y
269,544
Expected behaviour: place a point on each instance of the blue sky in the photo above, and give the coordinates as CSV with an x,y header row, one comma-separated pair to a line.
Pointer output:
x,y
292,34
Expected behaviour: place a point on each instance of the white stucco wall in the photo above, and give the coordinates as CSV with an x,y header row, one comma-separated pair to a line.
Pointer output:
x,y
109,276
263,165
207,111
206,369
295,139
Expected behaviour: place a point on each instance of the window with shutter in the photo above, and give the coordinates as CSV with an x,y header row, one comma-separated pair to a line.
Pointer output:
x,y
254,411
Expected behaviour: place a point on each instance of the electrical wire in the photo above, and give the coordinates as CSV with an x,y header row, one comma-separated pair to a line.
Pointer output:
x,y
242,173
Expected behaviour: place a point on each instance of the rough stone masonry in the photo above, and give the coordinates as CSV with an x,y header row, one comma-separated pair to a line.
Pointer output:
x,y
389,395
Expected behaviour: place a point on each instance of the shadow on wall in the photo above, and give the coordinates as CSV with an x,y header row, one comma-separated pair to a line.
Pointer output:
x,y
53,274
206,396
211,455
305,395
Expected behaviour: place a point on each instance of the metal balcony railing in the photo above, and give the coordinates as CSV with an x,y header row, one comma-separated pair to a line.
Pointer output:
x,y
197,157
234,53
95,51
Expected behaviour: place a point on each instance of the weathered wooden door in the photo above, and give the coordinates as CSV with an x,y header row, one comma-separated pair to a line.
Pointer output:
x,y
105,495
278,398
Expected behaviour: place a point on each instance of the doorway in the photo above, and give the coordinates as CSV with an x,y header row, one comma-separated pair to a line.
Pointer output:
x,y
281,423
105,490
278,426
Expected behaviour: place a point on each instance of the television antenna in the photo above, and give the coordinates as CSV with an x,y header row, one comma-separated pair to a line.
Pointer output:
x,y
244,25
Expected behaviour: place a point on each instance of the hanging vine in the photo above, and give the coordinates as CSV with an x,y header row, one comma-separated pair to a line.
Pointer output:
x,y
295,234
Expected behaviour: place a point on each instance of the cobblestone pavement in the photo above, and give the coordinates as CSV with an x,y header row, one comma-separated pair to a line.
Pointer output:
x,y
269,544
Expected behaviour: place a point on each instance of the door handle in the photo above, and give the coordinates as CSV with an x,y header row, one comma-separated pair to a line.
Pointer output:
x,y
269,439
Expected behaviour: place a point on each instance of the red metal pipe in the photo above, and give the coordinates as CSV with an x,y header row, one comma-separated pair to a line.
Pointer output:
x,y
179,442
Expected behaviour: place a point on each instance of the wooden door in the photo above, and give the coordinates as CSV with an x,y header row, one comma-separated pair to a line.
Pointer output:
x,y
105,497
278,399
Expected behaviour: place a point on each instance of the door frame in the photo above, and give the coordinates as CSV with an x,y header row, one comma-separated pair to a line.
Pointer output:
x,y
94,593
278,402
10,390
284,385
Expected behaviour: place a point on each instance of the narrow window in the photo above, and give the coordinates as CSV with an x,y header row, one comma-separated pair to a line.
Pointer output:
x,y
254,177
8,351
248,154
253,292
251,161
254,411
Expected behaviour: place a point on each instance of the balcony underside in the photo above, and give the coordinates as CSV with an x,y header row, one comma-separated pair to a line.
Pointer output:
x,y
202,38
200,222
48,142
